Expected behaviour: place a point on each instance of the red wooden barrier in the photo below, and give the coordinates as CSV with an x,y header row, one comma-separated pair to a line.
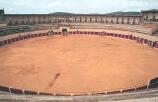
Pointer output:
x,y
89,33
156,45
46,34
105,33
17,38
119,35
115,35
122,35
5,42
130,37
133,38
126,36
59,33
40,34
9,41
1,43
96,33
150,43
112,34
28,36
13,40
99,33
74,32
146,41
141,40
34,35
70,32
137,39
24,37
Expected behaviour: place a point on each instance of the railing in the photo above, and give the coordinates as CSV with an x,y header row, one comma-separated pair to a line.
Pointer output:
x,y
152,84
140,40
11,90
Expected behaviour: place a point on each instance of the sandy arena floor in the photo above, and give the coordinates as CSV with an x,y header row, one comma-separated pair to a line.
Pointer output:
x,y
77,64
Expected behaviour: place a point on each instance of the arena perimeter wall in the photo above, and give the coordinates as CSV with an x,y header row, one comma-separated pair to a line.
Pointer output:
x,y
151,89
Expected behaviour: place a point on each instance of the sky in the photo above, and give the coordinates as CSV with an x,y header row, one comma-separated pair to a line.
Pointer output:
x,y
75,6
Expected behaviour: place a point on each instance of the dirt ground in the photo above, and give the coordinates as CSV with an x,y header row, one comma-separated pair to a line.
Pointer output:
x,y
77,64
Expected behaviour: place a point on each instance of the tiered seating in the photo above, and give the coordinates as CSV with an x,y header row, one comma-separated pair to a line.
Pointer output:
x,y
140,40
130,37
20,37
14,29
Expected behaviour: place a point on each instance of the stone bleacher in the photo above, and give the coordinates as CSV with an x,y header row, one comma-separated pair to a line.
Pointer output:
x,y
132,28
14,29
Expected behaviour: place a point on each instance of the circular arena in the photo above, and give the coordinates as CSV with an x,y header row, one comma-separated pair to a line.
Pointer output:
x,y
77,63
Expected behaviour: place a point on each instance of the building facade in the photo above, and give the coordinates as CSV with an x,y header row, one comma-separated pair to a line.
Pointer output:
x,y
150,16
29,19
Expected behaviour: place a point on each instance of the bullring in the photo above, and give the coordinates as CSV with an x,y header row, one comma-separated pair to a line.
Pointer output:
x,y
86,60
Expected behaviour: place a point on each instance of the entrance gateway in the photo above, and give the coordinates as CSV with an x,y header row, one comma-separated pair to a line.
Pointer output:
x,y
64,30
